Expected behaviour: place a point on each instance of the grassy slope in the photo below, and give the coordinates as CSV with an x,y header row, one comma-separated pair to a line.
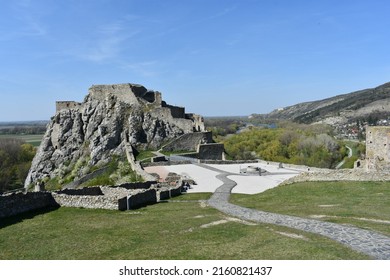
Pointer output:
x,y
340,202
162,231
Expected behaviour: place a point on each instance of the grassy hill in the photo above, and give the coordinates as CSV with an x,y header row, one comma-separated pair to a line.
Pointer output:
x,y
367,103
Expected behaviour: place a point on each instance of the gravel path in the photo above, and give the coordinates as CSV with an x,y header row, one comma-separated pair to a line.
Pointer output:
x,y
368,242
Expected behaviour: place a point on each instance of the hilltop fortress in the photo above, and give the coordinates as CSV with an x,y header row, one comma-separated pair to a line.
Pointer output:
x,y
111,122
138,95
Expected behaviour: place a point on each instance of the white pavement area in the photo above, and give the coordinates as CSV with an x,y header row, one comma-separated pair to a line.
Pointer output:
x,y
246,184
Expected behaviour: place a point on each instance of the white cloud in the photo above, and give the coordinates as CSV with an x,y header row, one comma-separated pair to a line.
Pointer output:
x,y
105,43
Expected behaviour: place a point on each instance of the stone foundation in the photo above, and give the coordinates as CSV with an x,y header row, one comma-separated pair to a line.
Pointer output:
x,y
123,197
339,175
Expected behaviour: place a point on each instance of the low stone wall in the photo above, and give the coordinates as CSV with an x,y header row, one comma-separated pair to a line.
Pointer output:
x,y
228,161
169,192
83,191
166,163
338,175
159,159
17,203
132,196
111,198
141,199
86,201
135,165
137,185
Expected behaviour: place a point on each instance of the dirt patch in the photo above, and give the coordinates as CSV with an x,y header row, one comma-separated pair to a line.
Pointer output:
x,y
161,171
355,218
214,223
226,220
203,204
373,220
292,235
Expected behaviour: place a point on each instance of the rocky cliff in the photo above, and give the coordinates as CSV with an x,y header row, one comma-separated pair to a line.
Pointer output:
x,y
90,133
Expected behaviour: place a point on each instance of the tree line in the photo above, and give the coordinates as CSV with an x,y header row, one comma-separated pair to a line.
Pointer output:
x,y
15,161
311,145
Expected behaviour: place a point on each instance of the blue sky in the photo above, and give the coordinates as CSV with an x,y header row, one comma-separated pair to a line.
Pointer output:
x,y
215,57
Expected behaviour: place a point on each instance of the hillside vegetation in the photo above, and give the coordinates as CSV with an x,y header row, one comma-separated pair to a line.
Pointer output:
x,y
15,162
364,105
291,143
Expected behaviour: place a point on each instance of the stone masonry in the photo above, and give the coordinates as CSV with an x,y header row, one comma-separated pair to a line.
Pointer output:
x,y
378,148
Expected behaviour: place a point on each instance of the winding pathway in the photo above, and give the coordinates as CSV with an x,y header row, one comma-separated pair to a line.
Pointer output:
x,y
368,242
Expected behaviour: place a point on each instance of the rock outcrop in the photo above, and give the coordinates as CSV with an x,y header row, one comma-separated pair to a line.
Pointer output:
x,y
112,116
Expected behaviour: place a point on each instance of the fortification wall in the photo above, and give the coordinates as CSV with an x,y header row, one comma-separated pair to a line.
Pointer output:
x,y
17,203
212,151
176,112
188,142
378,148
124,92
327,175
198,122
61,105
135,165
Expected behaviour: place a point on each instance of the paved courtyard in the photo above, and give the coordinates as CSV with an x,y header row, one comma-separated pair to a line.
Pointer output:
x,y
206,178
222,180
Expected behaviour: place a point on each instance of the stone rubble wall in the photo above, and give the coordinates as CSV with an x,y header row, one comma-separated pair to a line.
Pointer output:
x,y
123,197
83,191
86,201
188,142
135,165
339,175
141,199
212,151
17,203
166,163
137,185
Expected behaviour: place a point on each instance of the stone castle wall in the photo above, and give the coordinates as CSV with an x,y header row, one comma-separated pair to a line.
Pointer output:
x,y
61,105
198,121
378,148
188,142
211,151
176,112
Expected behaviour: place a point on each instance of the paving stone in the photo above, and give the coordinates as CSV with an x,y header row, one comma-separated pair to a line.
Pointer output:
x,y
368,242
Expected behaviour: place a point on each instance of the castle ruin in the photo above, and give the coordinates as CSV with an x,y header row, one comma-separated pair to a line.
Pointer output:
x,y
377,148
138,94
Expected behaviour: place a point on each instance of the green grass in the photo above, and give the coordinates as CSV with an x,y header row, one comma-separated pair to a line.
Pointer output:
x,y
339,202
163,231
33,139
173,153
144,155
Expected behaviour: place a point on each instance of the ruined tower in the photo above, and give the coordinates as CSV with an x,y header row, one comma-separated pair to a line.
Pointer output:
x,y
378,148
